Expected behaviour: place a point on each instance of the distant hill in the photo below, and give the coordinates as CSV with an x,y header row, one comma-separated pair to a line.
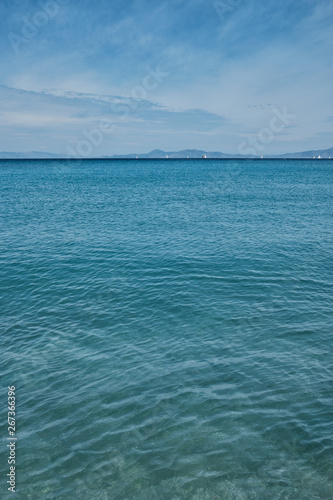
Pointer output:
x,y
195,153
159,154
190,153
29,155
324,153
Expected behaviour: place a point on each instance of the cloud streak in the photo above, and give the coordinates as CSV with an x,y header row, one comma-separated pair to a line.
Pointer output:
x,y
224,76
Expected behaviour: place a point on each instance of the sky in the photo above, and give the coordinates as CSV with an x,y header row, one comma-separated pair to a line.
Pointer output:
x,y
101,78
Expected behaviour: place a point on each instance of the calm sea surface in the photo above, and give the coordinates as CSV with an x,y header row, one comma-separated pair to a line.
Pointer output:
x,y
168,328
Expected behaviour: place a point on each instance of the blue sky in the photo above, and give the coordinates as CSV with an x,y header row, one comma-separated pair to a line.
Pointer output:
x,y
74,71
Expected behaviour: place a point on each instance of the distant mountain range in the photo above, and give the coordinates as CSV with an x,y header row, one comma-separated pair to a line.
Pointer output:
x,y
185,153
29,155
323,153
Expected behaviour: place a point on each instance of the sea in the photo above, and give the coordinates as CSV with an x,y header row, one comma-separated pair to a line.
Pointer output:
x,y
167,328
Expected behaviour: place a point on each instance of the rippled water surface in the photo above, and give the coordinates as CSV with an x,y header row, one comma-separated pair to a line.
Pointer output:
x,y
168,326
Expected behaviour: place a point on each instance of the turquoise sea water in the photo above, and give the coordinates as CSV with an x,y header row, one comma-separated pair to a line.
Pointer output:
x,y
168,328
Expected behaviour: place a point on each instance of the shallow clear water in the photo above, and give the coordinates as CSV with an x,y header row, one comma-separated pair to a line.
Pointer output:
x,y
168,326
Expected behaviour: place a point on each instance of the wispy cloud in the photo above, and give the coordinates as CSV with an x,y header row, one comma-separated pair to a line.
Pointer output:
x,y
64,117
223,80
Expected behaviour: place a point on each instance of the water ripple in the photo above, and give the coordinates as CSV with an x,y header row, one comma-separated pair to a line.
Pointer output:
x,y
168,328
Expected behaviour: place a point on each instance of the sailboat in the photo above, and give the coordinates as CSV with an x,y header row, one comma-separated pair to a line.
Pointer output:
x,y
204,157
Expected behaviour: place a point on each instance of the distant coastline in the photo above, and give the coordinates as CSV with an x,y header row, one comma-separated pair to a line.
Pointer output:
x,y
157,154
